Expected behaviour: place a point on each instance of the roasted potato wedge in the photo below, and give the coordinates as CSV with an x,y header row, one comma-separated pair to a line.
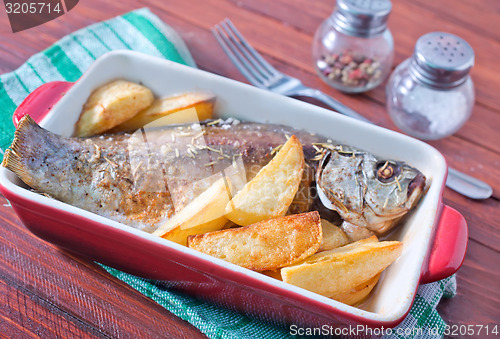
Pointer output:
x,y
371,239
180,235
358,293
336,272
273,274
266,245
161,112
333,236
271,191
193,218
111,105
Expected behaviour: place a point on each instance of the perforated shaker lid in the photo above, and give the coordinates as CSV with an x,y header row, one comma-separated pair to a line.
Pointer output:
x,y
442,60
362,18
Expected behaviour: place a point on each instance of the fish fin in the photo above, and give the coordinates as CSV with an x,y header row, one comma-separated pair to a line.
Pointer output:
x,y
12,159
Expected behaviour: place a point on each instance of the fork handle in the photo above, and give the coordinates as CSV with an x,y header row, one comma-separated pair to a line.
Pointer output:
x,y
336,105
457,181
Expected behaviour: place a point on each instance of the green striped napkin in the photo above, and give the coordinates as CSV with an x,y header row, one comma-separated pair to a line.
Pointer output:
x,y
142,31
67,59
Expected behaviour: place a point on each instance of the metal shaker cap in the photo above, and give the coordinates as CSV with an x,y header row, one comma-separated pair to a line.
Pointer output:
x,y
441,60
362,18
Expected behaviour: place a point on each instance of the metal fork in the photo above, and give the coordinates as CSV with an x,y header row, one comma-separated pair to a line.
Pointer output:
x,y
261,74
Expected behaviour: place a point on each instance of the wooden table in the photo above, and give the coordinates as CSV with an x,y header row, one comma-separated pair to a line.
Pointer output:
x,y
50,293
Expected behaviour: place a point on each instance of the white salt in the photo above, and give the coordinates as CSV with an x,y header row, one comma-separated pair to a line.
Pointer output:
x,y
443,109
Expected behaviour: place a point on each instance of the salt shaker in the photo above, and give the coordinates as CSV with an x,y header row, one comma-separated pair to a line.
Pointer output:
x,y
353,49
431,95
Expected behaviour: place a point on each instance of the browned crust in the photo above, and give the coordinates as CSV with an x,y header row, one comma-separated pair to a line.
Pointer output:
x,y
266,245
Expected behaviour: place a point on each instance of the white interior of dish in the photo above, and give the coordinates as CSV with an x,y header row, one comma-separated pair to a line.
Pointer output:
x,y
394,293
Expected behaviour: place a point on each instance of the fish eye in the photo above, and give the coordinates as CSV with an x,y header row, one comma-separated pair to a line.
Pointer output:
x,y
386,171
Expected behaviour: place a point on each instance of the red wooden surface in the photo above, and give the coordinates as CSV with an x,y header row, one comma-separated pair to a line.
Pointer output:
x,y
49,293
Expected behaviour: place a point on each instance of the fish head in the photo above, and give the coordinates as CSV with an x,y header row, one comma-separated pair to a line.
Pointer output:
x,y
367,191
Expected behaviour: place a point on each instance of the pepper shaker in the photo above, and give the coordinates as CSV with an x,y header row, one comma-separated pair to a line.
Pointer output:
x,y
431,95
353,49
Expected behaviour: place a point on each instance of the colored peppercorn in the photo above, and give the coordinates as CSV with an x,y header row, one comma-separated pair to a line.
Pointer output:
x,y
353,49
350,69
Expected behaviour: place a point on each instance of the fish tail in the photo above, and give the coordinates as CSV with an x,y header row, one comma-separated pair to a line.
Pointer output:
x,y
13,162
13,156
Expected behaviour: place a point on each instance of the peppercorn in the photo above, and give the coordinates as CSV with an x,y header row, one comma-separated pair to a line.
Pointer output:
x,y
350,68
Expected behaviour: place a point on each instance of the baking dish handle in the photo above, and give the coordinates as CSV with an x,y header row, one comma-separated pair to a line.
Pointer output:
x,y
448,248
39,102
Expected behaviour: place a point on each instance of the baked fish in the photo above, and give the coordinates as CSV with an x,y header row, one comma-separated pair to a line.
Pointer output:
x,y
143,178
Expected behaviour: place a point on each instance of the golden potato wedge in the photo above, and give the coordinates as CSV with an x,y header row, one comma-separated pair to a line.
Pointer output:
x,y
271,191
273,274
333,236
180,235
358,293
161,112
111,105
336,272
371,239
266,245
208,206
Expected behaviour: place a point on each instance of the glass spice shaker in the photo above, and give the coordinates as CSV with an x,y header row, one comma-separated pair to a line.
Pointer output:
x,y
353,49
431,95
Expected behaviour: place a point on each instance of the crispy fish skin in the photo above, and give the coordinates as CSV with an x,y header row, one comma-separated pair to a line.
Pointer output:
x,y
91,173
143,178
137,178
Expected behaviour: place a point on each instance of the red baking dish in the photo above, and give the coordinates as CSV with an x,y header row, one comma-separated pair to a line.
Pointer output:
x,y
434,235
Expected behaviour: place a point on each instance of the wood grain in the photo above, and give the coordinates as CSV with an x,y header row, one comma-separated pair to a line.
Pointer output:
x,y
48,293
280,50
24,314
478,303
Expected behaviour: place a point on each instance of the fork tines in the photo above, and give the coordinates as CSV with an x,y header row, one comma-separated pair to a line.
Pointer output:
x,y
258,71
